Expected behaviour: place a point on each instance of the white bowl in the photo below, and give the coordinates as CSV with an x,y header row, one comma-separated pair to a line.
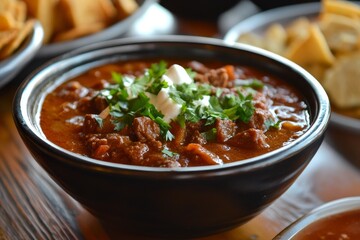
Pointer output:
x,y
116,30
344,132
12,65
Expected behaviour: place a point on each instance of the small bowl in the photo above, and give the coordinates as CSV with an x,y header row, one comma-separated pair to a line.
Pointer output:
x,y
116,30
344,132
330,217
169,202
12,65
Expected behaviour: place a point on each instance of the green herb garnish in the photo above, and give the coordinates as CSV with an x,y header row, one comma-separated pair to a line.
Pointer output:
x,y
129,98
168,153
250,83
270,123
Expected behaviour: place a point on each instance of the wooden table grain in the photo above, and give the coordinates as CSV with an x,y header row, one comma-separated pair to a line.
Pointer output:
x,y
32,206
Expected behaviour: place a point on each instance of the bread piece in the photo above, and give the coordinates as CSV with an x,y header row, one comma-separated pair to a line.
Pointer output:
x,y
4,5
125,7
78,32
44,11
17,41
18,9
84,12
7,36
7,21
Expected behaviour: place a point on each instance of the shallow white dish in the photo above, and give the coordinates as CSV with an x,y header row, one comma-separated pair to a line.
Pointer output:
x,y
283,15
344,132
12,65
116,30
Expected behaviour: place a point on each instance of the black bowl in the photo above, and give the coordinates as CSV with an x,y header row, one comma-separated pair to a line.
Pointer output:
x,y
181,202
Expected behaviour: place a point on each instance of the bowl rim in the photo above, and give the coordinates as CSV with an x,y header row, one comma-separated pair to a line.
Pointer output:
x,y
111,32
13,64
314,133
326,210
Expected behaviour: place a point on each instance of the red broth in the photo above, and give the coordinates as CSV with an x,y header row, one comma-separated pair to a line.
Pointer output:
x,y
342,226
69,119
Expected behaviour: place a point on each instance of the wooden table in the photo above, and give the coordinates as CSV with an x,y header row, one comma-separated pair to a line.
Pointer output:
x,y
32,206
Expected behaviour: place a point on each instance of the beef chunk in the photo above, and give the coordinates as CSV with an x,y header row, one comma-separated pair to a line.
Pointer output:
x,y
135,152
91,125
146,130
93,141
250,139
192,126
114,140
73,91
260,101
157,159
225,129
259,119
85,104
100,103
107,146
196,137
216,77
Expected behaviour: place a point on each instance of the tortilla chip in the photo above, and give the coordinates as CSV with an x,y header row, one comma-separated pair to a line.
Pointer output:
x,y
252,39
298,29
344,8
79,32
125,7
18,10
109,10
7,36
84,12
44,11
4,5
341,33
342,81
312,50
17,41
7,21
275,38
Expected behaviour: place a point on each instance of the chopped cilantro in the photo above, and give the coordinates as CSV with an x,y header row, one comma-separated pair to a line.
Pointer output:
x,y
270,123
250,83
168,153
99,120
128,98
117,78
210,134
